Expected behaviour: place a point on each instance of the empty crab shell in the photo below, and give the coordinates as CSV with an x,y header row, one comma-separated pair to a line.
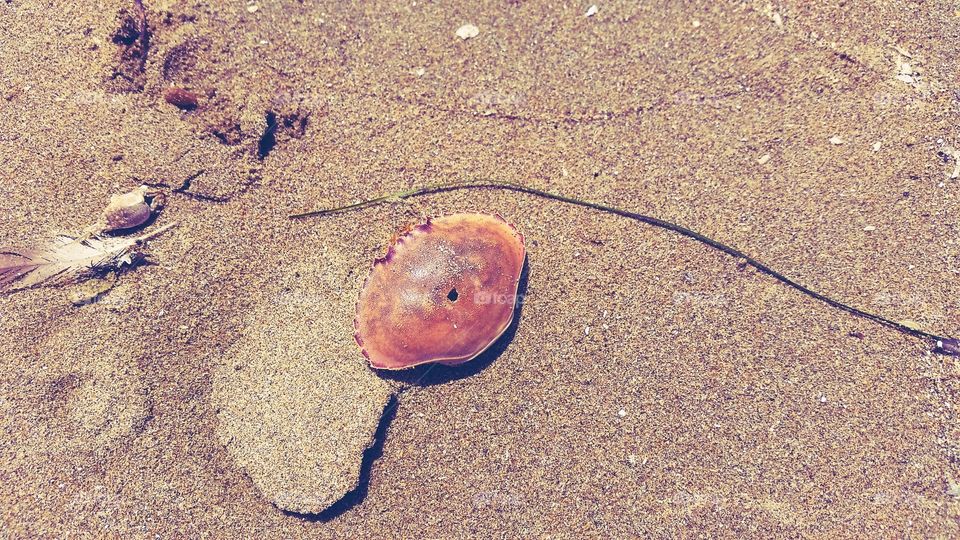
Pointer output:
x,y
444,292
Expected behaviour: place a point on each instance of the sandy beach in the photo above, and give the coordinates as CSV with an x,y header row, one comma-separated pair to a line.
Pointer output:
x,y
648,386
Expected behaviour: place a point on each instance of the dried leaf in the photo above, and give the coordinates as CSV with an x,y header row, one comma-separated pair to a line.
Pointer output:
x,y
66,259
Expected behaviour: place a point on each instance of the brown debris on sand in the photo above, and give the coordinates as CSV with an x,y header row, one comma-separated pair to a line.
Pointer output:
x,y
181,98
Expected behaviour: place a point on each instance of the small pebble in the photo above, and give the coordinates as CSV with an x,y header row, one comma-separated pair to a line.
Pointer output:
x,y
592,10
869,228
181,98
252,8
420,72
621,413
467,31
764,159
876,146
695,23
836,139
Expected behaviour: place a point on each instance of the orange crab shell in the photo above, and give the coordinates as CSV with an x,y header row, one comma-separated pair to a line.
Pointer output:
x,y
445,291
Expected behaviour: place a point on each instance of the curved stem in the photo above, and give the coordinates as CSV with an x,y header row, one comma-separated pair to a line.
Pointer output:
x,y
650,220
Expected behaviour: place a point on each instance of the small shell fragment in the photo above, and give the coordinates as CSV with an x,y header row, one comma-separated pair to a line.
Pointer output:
x,y
906,73
467,31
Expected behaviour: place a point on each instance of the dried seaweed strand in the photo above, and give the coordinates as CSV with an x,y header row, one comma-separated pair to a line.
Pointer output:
x,y
941,343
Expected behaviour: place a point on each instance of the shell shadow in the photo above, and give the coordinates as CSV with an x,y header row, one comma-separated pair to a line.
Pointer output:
x,y
434,374
370,455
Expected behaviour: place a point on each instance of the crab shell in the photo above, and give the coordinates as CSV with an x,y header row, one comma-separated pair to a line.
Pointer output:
x,y
445,291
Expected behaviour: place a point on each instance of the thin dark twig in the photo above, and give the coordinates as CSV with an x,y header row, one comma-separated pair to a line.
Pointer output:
x,y
943,344
185,185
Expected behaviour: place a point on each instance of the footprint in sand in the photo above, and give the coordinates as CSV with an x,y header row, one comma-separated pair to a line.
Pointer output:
x,y
294,413
77,398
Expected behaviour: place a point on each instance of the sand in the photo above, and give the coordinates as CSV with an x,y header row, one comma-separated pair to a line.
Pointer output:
x,y
649,387
293,413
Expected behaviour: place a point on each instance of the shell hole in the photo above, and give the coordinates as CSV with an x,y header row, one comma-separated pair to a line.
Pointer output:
x,y
453,295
